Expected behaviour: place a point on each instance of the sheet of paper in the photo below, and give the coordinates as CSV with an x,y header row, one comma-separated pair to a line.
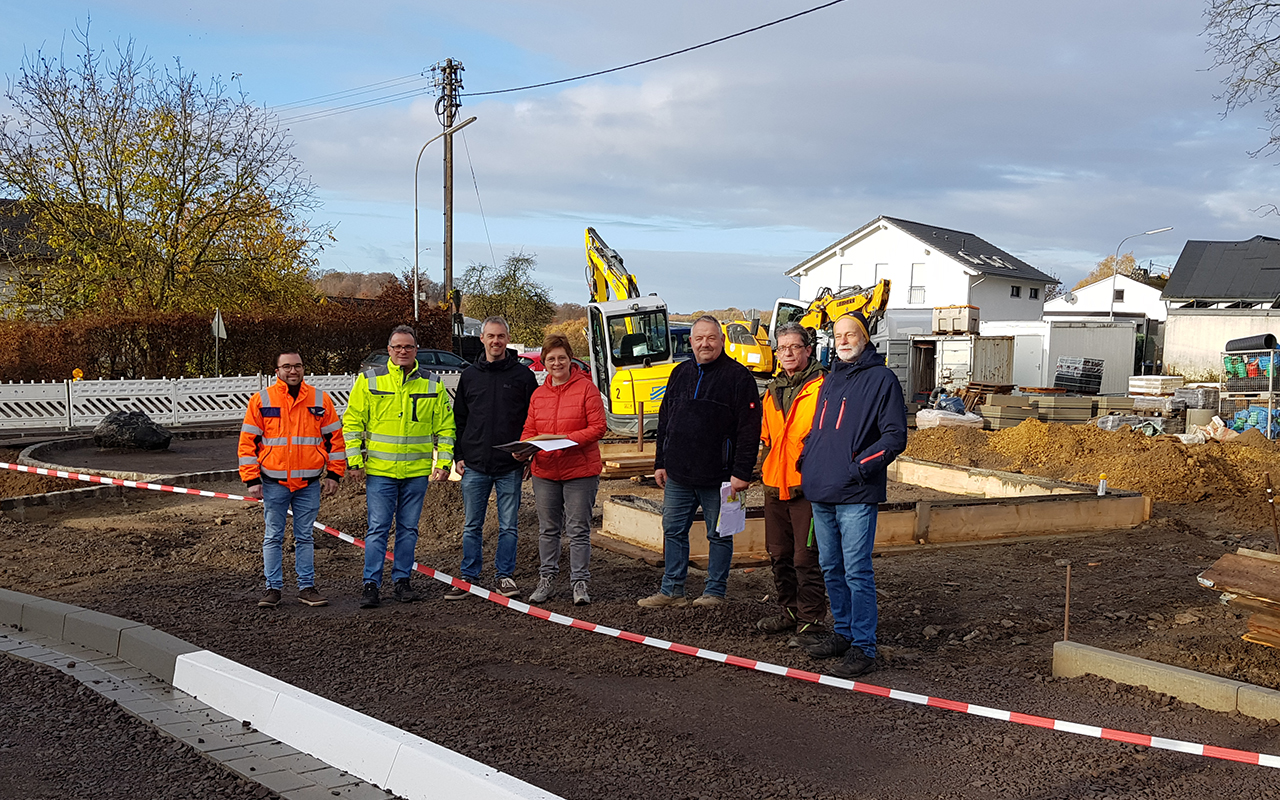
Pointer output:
x,y
733,514
538,443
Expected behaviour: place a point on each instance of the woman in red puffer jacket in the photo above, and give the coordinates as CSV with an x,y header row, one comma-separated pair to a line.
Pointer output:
x,y
565,481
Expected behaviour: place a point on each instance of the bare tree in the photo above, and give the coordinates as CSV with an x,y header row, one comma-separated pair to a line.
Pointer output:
x,y
1244,38
153,190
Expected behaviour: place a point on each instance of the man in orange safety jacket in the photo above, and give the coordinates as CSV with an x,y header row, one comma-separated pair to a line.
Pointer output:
x,y
291,452
789,403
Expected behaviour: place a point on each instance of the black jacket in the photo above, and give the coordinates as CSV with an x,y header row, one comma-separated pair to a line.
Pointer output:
x,y
489,409
709,423
859,427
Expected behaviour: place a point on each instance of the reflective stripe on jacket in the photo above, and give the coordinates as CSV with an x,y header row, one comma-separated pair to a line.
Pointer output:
x,y
292,441
398,424
784,436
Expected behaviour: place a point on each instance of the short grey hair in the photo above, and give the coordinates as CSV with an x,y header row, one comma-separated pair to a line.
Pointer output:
x,y
792,329
495,320
706,318
406,329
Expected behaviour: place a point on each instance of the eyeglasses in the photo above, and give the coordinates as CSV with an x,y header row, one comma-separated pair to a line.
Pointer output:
x,y
791,348
290,367
402,348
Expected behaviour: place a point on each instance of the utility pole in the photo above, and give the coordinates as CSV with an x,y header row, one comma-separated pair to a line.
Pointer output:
x,y
447,77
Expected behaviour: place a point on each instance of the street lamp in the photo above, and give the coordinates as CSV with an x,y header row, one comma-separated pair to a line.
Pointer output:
x,y
416,251
1115,267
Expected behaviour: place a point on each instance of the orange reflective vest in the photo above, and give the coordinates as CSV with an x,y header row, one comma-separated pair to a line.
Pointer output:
x,y
292,441
784,436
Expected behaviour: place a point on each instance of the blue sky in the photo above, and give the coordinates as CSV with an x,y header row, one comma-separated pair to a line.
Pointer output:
x,y
1053,131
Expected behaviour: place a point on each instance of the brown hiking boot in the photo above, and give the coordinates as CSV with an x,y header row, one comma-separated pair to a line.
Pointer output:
x,y
661,600
311,597
270,599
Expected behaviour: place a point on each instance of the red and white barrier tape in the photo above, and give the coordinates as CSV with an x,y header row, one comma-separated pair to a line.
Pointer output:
x,y
1176,745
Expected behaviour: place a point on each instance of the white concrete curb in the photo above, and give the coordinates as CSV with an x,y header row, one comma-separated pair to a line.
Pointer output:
x,y
371,750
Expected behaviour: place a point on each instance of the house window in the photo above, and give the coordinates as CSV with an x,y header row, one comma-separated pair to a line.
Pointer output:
x,y
1015,291
916,296
1033,293
1118,295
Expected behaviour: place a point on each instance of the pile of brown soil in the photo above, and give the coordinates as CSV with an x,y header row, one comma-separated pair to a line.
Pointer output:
x,y
1160,467
17,484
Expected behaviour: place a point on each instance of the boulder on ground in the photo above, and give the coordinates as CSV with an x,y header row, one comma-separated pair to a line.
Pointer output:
x,y
132,429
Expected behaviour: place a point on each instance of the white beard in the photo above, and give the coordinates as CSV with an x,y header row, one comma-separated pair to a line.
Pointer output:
x,y
850,352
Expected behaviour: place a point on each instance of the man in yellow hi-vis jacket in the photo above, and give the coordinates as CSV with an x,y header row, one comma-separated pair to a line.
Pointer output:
x,y
399,429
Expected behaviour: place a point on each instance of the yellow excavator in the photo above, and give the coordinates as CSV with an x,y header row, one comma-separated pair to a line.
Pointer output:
x,y
821,313
630,341
748,344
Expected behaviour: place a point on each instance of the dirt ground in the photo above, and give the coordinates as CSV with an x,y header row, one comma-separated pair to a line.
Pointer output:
x,y
587,716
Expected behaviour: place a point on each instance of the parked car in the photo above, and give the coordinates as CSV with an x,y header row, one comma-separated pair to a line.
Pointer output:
x,y
681,350
439,361
533,360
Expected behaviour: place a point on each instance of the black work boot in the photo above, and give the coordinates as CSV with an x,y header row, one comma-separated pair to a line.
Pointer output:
x,y
404,592
370,598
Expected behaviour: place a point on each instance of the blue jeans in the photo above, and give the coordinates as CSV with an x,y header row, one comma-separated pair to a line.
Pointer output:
x,y
386,498
276,502
476,486
679,505
845,533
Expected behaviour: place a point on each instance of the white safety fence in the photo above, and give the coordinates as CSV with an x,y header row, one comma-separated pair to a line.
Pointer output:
x,y
181,401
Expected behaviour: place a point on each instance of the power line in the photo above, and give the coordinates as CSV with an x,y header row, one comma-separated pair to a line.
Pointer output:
x,y
658,58
377,101
344,94
493,259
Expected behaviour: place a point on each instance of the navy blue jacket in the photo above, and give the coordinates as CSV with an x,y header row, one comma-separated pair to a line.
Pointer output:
x,y
709,423
859,426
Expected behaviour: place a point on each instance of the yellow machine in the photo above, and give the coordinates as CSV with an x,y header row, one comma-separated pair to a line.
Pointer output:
x,y
748,344
629,338
822,312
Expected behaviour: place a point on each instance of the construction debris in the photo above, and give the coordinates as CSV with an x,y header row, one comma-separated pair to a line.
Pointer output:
x,y
1250,581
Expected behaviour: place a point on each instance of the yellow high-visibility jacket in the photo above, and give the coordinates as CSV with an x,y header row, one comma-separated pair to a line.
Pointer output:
x,y
398,423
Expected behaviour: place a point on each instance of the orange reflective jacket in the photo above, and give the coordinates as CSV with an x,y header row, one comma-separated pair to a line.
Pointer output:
x,y
291,441
784,436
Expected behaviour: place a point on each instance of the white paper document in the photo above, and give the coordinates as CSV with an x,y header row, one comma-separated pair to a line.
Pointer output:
x,y
733,514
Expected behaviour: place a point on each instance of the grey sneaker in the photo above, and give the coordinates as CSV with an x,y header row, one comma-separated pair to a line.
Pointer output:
x,y
543,591
457,593
580,596
709,601
507,587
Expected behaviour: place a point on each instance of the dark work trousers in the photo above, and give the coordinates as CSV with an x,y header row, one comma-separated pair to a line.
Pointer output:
x,y
796,572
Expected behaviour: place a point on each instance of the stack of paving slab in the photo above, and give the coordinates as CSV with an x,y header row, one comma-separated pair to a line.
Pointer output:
x,y
1154,384
1113,405
1067,410
1007,411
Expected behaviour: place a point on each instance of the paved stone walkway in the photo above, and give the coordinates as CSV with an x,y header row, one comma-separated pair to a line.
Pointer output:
x,y
248,752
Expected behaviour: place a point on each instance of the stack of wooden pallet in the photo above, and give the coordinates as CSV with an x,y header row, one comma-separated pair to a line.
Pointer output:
x,y
1250,581
626,459
1007,411
1067,410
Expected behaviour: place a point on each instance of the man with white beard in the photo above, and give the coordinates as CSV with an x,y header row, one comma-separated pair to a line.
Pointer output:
x,y
859,427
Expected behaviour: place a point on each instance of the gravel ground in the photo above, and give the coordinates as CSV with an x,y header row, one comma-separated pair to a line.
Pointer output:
x,y
587,716
61,741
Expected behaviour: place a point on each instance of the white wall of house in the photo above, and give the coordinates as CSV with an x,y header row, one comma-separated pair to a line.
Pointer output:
x,y
921,277
1194,337
1136,298
994,297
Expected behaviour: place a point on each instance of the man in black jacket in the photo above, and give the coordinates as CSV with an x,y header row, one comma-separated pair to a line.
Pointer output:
x,y
489,409
708,435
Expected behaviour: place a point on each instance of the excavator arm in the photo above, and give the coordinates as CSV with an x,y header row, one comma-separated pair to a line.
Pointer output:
x,y
605,272
829,306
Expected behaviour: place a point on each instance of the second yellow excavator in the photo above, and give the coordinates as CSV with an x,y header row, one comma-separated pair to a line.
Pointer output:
x,y
821,313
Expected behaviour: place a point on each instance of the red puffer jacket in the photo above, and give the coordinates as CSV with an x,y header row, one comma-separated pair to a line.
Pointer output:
x,y
575,411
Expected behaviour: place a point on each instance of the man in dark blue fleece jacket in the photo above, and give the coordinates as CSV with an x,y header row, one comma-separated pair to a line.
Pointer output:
x,y
708,434
859,426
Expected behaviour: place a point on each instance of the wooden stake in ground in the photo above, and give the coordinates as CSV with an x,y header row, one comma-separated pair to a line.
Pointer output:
x,y
1066,611
1271,501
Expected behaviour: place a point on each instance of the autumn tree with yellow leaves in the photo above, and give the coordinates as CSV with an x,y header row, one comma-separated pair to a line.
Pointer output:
x,y
151,191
